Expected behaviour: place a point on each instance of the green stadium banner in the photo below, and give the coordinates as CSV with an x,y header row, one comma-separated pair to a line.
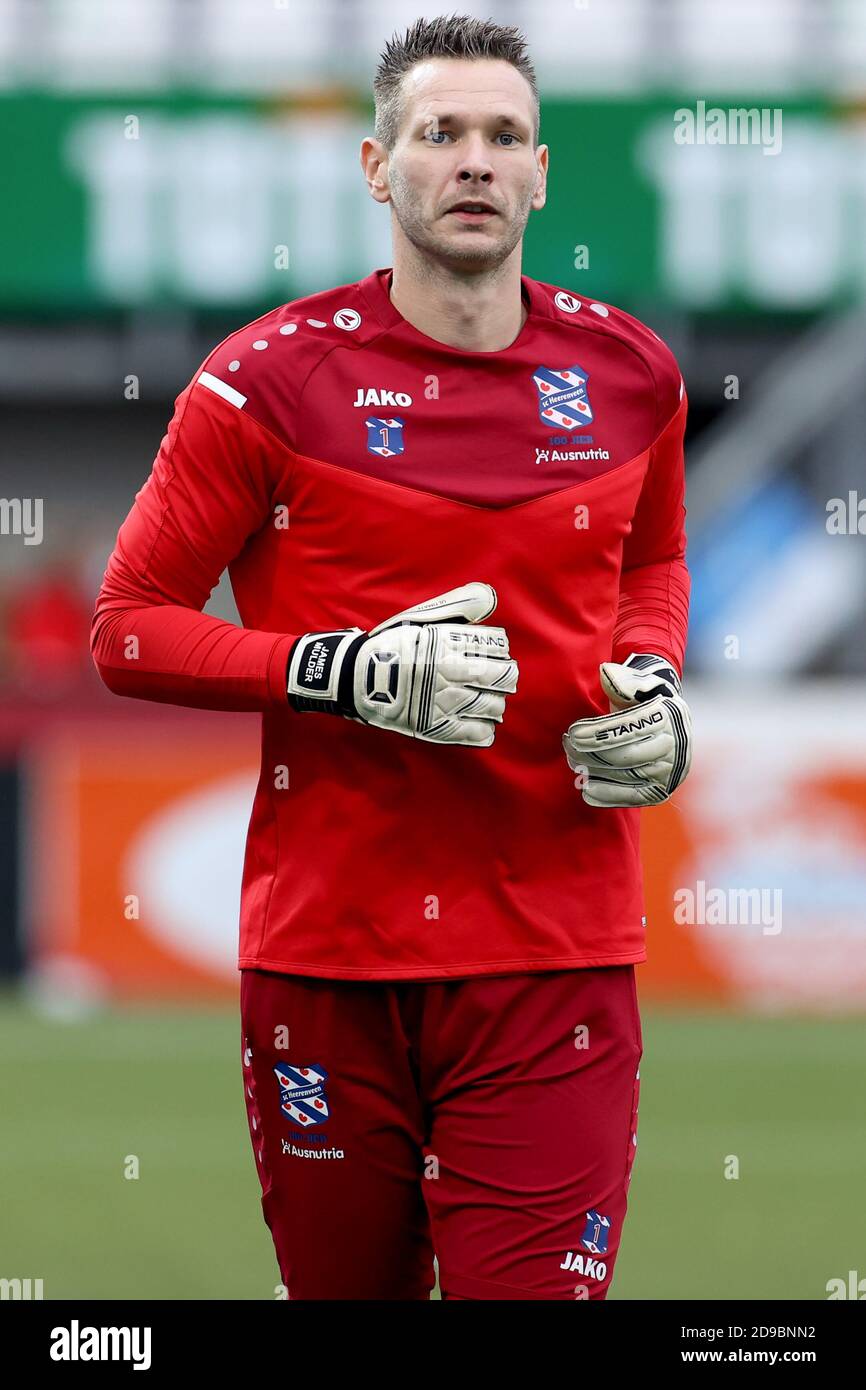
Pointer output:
x,y
221,203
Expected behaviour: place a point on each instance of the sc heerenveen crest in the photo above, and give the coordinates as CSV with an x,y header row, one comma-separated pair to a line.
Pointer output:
x,y
563,398
302,1094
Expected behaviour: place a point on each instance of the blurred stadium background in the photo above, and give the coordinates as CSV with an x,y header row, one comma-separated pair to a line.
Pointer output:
x,y
173,169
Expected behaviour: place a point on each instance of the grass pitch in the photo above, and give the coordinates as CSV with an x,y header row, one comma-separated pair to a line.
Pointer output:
x,y
782,1096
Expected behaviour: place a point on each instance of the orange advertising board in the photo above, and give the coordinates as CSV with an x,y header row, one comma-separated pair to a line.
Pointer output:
x,y
755,871
136,852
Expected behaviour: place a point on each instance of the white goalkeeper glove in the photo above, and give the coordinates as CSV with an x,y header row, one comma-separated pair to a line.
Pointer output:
x,y
431,672
638,754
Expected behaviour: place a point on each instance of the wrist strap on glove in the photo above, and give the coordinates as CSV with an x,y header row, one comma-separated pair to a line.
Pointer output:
x,y
321,671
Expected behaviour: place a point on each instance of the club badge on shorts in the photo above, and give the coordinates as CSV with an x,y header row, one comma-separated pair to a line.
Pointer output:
x,y
302,1094
595,1233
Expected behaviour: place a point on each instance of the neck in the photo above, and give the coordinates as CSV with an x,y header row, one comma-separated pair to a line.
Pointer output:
x,y
480,312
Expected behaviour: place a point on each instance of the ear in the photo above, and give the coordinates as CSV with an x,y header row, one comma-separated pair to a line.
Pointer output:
x,y
539,197
374,164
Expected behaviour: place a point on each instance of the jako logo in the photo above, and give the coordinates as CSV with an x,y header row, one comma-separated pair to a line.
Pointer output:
x,y
372,395
21,1288
585,1265
75,1343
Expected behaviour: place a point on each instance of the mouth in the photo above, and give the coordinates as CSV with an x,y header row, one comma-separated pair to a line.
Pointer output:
x,y
471,210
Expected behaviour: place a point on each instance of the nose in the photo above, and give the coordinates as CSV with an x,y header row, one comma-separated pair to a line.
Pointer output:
x,y
475,163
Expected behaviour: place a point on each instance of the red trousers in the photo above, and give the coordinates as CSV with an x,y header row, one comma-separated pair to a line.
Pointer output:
x,y
491,1121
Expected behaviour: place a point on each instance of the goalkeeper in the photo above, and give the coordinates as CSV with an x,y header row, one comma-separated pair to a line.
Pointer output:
x,y
450,501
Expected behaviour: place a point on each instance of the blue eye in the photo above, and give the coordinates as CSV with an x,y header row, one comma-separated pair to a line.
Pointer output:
x,y
439,137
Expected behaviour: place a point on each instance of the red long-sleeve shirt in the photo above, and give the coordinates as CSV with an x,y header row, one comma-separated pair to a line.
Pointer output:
x,y
343,465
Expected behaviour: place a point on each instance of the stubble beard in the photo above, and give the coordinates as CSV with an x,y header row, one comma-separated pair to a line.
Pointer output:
x,y
479,252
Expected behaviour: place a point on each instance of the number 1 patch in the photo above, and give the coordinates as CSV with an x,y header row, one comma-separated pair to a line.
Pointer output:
x,y
384,437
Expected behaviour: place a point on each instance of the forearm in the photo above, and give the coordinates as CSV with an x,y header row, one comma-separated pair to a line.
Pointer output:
x,y
178,656
653,611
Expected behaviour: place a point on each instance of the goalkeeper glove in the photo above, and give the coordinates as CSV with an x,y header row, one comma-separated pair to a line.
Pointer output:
x,y
430,672
639,758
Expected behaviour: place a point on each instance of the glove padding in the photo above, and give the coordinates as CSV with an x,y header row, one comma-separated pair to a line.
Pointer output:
x,y
431,672
639,758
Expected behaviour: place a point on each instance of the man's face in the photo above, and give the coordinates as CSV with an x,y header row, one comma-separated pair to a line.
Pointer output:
x,y
466,137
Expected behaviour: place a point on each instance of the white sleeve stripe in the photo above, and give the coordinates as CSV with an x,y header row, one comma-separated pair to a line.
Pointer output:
x,y
222,388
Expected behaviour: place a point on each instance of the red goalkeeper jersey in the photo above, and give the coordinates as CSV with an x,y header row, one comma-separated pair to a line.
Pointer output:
x,y
343,466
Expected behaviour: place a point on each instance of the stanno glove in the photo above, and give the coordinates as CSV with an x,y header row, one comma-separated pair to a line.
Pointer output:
x,y
640,752
431,672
